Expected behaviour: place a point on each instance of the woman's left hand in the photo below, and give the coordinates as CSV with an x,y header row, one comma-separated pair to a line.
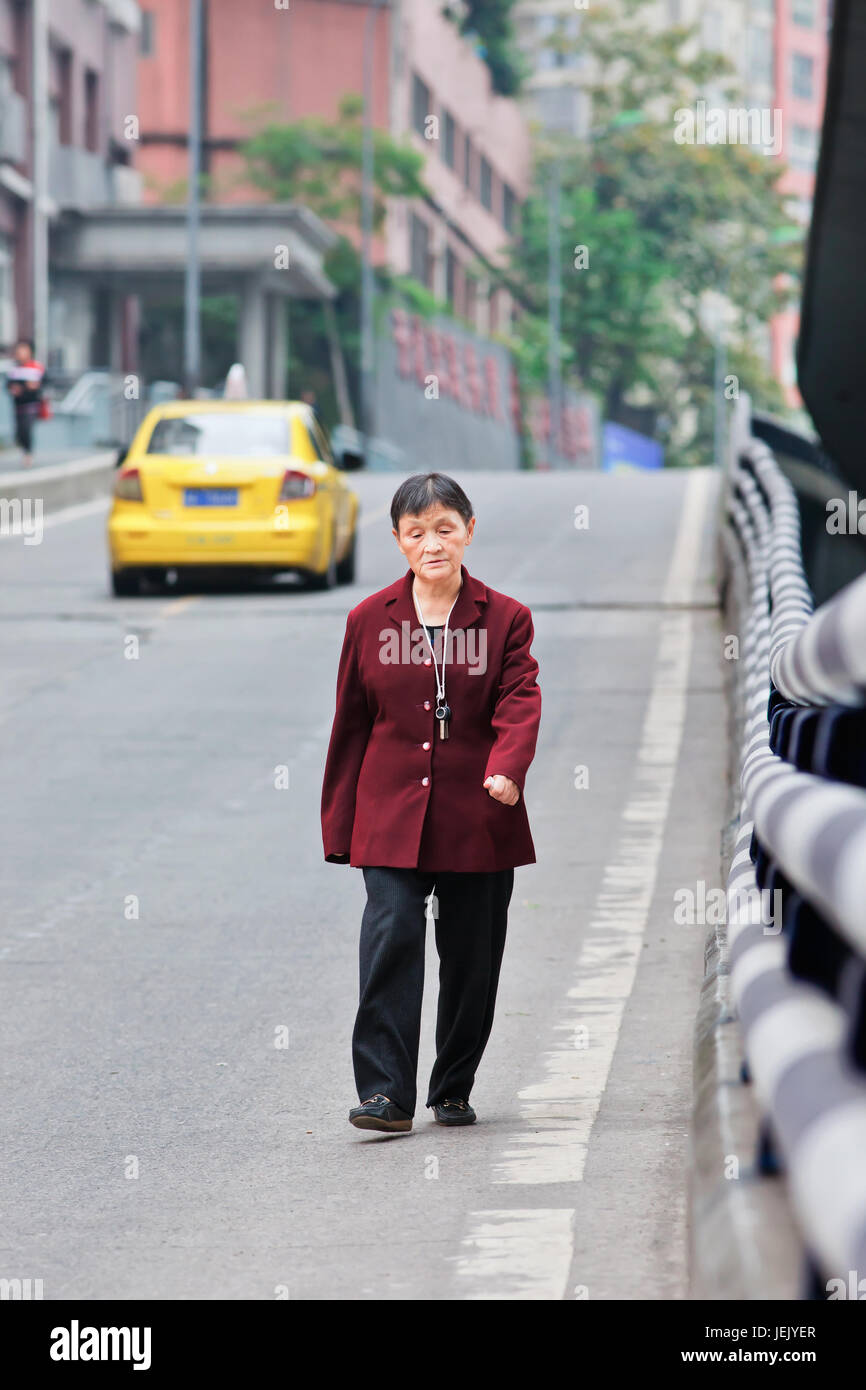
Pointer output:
x,y
502,789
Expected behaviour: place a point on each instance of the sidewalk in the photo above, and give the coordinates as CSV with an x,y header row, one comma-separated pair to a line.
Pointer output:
x,y
11,460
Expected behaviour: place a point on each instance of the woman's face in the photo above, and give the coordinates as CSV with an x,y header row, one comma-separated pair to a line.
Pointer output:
x,y
433,542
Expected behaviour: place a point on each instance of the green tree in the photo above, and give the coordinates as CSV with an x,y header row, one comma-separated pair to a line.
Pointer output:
x,y
490,21
660,223
318,163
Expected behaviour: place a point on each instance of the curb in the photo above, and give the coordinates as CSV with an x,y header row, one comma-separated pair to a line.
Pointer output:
x,y
743,1236
62,484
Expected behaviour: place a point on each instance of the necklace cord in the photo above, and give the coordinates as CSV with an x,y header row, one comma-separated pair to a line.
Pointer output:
x,y
440,685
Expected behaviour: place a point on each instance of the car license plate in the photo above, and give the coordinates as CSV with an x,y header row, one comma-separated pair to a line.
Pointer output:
x,y
210,497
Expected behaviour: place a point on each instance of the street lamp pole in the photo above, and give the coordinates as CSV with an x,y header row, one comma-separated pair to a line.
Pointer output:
x,y
192,299
554,305
39,215
368,287
720,373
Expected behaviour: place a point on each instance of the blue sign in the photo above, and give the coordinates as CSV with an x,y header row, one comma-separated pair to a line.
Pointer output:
x,y
625,448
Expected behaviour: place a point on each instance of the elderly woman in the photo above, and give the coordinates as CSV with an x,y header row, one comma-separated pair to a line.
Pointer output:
x,y
436,723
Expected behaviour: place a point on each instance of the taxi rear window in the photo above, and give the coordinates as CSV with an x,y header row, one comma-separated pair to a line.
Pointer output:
x,y
214,433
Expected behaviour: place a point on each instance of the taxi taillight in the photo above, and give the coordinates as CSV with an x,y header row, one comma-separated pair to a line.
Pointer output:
x,y
296,485
128,485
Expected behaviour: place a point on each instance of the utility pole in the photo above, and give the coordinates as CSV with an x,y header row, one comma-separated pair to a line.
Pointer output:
x,y
368,285
554,304
720,364
39,156
192,298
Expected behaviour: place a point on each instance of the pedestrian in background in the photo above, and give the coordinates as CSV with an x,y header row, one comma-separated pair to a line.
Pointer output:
x,y
24,381
423,790
309,398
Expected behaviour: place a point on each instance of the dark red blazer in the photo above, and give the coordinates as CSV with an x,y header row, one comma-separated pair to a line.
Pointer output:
x,y
396,794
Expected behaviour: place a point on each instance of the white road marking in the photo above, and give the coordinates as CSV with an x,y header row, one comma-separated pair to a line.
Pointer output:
x,y
683,569
559,1111
80,509
96,504
521,1254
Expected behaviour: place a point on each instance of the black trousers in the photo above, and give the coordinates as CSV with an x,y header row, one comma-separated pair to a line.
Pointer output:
x,y
24,417
470,916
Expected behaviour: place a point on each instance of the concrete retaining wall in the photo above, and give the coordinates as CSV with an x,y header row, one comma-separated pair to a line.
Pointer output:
x,y
63,484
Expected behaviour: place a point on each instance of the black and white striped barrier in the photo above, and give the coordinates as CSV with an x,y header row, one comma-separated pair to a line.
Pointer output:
x,y
825,663
801,1039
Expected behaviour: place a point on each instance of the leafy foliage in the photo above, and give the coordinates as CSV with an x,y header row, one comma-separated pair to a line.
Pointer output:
x,y
491,22
318,163
662,223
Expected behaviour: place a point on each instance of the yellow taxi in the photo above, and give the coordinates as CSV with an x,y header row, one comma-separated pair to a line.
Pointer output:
x,y
220,483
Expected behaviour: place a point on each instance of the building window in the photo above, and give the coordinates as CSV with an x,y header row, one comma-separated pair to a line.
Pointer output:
x,y
471,309
760,43
468,163
419,250
803,153
558,108
91,110
420,104
147,34
802,75
449,139
566,50
450,276
803,12
713,30
7,76
486,189
62,95
509,207
553,41
8,313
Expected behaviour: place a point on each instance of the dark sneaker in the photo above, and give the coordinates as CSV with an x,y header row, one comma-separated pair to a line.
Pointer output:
x,y
379,1113
454,1112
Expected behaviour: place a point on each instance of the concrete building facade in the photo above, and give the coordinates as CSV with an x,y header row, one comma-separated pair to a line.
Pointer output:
x,y
89,63
778,50
430,87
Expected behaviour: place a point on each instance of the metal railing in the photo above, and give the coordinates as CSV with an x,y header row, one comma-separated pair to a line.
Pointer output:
x,y
97,411
798,975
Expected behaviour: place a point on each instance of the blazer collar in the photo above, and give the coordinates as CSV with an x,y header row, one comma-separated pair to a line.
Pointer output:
x,y
470,601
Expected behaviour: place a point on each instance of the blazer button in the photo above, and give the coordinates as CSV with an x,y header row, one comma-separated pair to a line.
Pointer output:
x,y
426,745
424,781
427,704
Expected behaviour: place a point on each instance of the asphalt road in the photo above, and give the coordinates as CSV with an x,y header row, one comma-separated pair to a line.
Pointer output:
x,y
178,964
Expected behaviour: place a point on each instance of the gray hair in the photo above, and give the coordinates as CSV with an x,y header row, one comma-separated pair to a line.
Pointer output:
x,y
421,491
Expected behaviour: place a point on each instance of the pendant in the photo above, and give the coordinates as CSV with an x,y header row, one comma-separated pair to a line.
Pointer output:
x,y
443,714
